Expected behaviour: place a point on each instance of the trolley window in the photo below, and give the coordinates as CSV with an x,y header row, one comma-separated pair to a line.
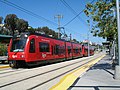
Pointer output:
x,y
32,46
43,47
18,44
69,49
80,49
76,50
61,49
56,48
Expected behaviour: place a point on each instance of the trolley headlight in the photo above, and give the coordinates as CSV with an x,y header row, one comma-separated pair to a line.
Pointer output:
x,y
22,56
14,56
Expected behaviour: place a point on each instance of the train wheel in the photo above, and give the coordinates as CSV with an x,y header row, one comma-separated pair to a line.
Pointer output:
x,y
3,62
13,64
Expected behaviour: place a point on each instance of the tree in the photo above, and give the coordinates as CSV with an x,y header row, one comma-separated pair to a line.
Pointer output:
x,y
1,18
46,30
31,29
103,18
10,22
49,32
1,28
21,25
3,49
74,40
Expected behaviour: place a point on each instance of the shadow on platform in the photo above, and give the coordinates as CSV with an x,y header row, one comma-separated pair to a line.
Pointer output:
x,y
95,87
103,65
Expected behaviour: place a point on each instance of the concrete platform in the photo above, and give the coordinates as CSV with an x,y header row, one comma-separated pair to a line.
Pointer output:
x,y
98,77
3,57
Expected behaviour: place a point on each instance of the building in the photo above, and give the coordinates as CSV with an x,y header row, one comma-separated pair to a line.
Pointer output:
x,y
5,38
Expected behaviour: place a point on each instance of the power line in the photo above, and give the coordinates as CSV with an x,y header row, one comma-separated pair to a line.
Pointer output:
x,y
67,29
33,14
77,15
27,11
72,10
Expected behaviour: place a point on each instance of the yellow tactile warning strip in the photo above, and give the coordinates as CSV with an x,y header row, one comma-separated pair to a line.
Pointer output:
x,y
7,66
70,78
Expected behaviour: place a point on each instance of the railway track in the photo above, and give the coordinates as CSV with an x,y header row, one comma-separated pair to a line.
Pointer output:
x,y
7,69
41,77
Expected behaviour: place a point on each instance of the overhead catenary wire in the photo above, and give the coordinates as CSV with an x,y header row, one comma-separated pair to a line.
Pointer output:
x,y
77,15
27,11
73,11
33,14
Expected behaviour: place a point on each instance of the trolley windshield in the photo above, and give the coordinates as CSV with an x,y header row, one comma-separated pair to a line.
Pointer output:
x,y
18,44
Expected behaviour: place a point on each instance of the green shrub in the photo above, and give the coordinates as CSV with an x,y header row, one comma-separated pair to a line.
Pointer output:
x,y
3,49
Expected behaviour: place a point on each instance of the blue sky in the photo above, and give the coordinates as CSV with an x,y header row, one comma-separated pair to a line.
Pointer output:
x,y
50,8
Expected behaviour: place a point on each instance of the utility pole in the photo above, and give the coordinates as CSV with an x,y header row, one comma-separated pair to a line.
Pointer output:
x,y
88,45
88,37
117,67
59,17
114,41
